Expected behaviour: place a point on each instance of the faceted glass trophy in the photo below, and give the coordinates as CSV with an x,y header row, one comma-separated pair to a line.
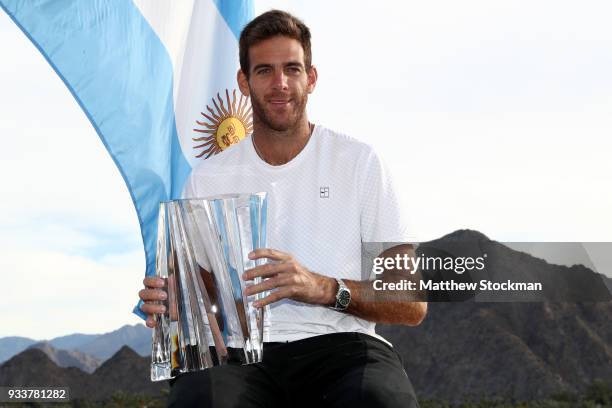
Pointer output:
x,y
202,252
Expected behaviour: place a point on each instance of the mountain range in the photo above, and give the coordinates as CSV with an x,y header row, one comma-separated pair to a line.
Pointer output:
x,y
69,358
525,350
125,371
100,346
84,351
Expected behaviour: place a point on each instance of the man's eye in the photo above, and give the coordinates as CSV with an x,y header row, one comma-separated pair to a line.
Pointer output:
x,y
263,71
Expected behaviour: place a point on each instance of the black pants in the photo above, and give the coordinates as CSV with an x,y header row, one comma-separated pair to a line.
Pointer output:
x,y
334,370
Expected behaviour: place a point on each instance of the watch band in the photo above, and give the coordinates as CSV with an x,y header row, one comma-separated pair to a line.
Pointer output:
x,y
343,296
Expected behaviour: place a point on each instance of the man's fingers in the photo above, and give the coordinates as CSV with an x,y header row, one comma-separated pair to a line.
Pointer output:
x,y
264,271
153,308
268,284
153,282
269,253
275,296
150,322
152,294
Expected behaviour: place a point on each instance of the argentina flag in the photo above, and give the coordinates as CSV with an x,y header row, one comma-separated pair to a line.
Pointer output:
x,y
156,79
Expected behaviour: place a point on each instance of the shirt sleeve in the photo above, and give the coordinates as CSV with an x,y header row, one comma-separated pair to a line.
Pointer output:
x,y
382,218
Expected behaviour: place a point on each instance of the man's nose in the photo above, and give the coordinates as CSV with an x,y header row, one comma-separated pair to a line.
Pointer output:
x,y
280,81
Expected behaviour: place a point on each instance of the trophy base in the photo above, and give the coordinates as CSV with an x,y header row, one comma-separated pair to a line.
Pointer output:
x,y
161,371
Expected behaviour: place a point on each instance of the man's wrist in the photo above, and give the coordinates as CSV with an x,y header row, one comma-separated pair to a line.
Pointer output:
x,y
330,289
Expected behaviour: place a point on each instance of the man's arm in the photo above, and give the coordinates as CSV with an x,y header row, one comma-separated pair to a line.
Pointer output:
x,y
292,281
405,307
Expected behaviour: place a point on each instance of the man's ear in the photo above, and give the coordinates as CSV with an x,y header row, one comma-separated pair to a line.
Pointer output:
x,y
313,75
243,83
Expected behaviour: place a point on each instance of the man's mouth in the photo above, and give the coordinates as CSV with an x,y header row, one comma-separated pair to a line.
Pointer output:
x,y
279,101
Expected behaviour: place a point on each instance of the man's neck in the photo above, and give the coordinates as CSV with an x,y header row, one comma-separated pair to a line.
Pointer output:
x,y
280,147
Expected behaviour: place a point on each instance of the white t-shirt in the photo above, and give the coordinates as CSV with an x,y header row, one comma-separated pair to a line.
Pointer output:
x,y
333,195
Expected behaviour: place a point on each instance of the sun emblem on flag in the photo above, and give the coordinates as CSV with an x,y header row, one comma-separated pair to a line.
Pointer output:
x,y
226,124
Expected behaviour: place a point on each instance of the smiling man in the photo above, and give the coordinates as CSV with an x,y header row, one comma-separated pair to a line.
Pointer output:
x,y
328,193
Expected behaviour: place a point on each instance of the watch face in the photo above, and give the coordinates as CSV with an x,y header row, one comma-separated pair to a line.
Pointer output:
x,y
344,297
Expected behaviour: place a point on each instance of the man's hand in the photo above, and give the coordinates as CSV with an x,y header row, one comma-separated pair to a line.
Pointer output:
x,y
290,279
151,294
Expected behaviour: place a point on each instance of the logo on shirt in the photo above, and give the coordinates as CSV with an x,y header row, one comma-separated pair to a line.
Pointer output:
x,y
324,192
225,124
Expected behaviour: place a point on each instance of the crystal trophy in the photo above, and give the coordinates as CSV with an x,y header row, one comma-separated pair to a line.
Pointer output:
x,y
202,252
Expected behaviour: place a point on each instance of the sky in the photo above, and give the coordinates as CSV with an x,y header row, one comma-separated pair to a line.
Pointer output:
x,y
493,116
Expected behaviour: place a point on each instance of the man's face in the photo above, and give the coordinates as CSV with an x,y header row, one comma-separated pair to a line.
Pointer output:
x,y
278,82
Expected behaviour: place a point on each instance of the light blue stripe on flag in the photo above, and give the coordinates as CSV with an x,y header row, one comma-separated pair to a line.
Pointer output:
x,y
236,13
121,74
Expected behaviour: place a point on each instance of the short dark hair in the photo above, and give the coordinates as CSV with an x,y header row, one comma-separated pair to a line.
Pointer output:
x,y
270,24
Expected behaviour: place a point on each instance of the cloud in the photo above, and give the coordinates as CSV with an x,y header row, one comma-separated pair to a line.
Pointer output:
x,y
49,294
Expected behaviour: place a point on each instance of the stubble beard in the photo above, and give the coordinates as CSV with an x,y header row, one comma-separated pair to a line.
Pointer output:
x,y
263,117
